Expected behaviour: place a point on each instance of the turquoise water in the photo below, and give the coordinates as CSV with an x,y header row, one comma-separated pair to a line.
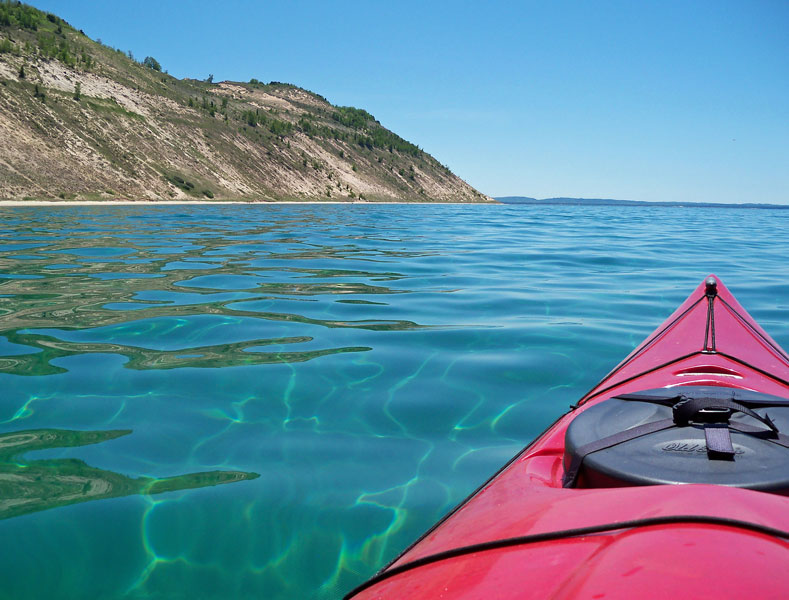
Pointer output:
x,y
273,401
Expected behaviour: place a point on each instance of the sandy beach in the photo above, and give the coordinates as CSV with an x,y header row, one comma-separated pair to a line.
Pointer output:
x,y
184,202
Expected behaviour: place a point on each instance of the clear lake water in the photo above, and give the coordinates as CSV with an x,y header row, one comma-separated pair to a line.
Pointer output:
x,y
272,401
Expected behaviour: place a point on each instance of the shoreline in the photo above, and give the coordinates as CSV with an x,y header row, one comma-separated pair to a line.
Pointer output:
x,y
180,202
205,202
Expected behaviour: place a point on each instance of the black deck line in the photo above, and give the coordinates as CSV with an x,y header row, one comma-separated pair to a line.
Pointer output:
x,y
568,533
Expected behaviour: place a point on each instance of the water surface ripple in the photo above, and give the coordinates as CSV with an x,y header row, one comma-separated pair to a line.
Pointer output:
x,y
372,364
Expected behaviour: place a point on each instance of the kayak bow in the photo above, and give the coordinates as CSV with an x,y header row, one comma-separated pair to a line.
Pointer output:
x,y
668,479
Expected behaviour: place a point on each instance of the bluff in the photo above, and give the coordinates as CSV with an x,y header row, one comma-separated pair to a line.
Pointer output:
x,y
81,120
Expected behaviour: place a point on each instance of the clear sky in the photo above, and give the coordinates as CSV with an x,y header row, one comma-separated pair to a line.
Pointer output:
x,y
642,100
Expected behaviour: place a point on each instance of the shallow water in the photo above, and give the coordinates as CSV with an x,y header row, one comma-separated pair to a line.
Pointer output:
x,y
273,401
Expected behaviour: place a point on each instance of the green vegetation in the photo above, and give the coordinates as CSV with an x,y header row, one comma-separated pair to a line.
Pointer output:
x,y
180,182
46,35
152,63
111,106
355,118
367,131
37,93
50,46
187,186
19,15
7,47
277,127
209,106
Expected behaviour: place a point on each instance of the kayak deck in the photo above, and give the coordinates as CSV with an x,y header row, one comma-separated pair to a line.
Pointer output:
x,y
524,535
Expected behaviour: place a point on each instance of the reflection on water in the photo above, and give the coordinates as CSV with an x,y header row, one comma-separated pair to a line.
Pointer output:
x,y
165,287
222,355
373,363
28,486
84,303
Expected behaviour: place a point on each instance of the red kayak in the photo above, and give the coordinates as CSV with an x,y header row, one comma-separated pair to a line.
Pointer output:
x,y
669,479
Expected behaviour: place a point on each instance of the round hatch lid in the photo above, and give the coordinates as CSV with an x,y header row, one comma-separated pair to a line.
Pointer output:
x,y
679,454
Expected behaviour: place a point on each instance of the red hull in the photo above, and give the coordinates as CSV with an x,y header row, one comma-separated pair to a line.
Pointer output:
x,y
522,535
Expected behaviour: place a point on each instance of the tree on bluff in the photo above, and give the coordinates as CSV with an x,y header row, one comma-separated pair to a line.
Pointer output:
x,y
152,63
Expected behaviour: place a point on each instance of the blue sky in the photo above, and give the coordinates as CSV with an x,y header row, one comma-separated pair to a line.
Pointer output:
x,y
643,100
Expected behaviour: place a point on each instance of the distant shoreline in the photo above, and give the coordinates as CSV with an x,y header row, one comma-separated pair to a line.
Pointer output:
x,y
613,202
502,201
